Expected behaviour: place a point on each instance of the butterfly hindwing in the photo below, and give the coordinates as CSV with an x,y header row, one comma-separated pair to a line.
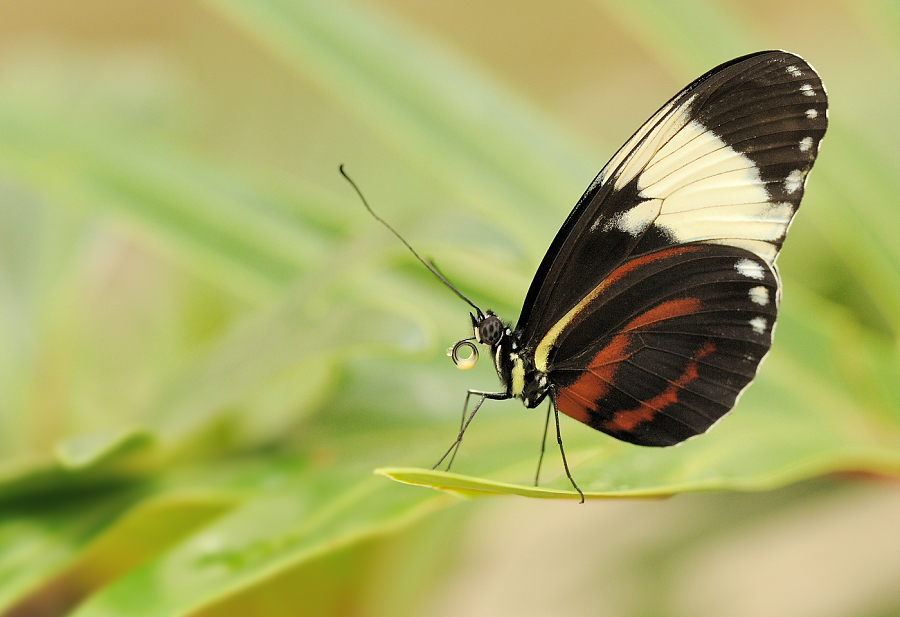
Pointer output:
x,y
685,329
723,162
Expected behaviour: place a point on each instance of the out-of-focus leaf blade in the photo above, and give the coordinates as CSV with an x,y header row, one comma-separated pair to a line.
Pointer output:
x,y
498,153
247,235
270,535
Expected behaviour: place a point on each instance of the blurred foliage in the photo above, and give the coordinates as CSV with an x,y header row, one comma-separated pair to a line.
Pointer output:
x,y
207,346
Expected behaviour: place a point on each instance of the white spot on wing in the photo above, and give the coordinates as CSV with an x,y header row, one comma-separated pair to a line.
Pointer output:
x,y
807,90
750,269
794,71
806,144
759,295
811,113
759,324
794,181
633,221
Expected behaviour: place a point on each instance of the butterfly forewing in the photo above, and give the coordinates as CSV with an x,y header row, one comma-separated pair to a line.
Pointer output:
x,y
655,303
724,161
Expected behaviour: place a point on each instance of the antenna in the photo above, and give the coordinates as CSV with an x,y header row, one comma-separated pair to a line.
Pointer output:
x,y
430,267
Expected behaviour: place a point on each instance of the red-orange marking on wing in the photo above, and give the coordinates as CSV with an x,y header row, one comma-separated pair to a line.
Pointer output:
x,y
575,400
579,398
634,264
577,410
626,420
666,310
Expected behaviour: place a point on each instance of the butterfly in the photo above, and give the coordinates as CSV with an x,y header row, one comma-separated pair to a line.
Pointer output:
x,y
654,305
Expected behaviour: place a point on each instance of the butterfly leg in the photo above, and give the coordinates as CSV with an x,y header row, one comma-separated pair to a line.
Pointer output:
x,y
537,474
464,423
561,451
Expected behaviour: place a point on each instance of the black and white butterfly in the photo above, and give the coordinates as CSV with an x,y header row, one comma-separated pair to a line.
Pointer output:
x,y
655,303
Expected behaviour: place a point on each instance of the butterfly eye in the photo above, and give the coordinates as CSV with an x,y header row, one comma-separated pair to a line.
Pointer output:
x,y
464,364
490,330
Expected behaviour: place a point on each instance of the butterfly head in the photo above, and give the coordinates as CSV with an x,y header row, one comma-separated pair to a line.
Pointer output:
x,y
488,328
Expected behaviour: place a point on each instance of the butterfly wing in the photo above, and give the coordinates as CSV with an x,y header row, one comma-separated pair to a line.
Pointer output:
x,y
684,329
724,162
655,303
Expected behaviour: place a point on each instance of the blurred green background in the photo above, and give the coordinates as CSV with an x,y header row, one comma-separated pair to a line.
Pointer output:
x,y
207,346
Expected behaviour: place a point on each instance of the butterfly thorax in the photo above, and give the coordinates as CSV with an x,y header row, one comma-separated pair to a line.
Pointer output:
x,y
513,361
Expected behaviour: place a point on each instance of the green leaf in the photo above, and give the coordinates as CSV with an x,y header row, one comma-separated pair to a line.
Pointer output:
x,y
85,450
279,529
